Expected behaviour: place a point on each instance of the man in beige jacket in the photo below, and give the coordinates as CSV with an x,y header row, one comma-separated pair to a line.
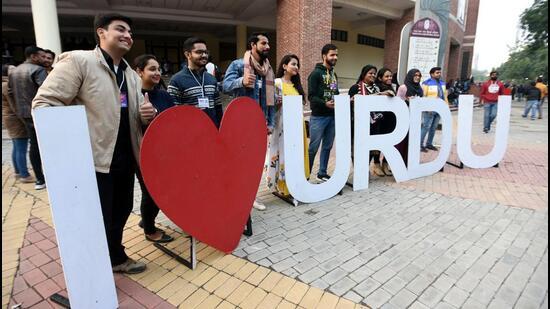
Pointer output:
x,y
102,80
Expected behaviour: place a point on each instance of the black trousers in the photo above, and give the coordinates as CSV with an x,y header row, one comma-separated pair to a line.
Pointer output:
x,y
116,193
149,210
34,152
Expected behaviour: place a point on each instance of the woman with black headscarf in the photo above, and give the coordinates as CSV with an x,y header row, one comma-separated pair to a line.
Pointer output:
x,y
410,89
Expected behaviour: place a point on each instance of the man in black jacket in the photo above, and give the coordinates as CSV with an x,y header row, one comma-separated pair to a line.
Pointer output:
x,y
532,95
322,85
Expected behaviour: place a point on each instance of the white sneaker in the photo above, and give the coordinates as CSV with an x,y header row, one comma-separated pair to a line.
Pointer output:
x,y
259,205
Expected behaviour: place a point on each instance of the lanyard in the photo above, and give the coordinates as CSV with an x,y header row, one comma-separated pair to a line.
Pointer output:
x,y
122,83
202,85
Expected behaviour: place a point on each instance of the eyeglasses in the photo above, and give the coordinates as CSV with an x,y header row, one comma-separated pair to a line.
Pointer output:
x,y
202,52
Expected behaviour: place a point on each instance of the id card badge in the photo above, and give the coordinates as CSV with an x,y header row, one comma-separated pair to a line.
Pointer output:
x,y
260,83
123,99
204,103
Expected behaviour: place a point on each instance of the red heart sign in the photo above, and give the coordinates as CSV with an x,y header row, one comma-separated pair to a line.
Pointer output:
x,y
203,179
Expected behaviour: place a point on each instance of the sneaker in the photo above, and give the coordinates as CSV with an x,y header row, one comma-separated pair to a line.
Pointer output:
x,y
524,116
40,185
423,149
259,205
28,179
323,178
485,130
130,267
432,147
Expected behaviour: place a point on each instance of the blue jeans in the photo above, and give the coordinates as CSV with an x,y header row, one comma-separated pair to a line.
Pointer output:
x,y
430,120
531,106
19,156
321,128
489,115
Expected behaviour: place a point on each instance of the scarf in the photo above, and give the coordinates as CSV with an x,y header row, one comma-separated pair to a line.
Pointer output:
x,y
413,89
366,89
265,71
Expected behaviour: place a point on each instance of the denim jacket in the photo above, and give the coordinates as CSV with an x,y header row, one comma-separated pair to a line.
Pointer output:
x,y
233,84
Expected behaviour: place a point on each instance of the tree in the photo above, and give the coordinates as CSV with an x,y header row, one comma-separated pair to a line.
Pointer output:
x,y
534,20
530,59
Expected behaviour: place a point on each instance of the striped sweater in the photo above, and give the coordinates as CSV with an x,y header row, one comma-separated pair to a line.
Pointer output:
x,y
186,89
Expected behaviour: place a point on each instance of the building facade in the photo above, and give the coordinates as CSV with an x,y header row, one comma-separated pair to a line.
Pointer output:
x,y
365,31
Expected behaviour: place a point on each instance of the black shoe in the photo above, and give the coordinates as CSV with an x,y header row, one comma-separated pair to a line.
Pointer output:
x,y
432,147
163,238
323,177
423,149
39,185
485,131
140,224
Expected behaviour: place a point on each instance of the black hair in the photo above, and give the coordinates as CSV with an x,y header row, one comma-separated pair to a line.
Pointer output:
x,y
539,79
433,70
47,51
104,20
327,48
296,81
382,72
140,62
364,72
493,72
254,38
533,83
190,43
32,50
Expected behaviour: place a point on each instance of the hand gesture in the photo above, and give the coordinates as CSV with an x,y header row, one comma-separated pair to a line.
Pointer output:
x,y
147,110
249,79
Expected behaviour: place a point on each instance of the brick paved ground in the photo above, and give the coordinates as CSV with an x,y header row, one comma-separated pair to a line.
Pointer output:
x,y
458,239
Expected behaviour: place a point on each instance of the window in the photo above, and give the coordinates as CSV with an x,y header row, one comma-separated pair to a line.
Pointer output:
x,y
370,41
339,35
461,13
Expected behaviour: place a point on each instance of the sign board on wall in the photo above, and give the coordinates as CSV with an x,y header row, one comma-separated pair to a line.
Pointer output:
x,y
424,46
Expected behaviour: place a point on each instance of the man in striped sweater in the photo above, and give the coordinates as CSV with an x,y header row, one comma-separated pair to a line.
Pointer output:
x,y
193,85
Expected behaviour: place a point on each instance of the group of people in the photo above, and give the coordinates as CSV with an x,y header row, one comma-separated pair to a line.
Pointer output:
x,y
535,93
19,86
122,99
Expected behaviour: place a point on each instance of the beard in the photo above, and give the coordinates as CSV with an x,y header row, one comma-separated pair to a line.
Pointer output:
x,y
494,78
263,54
332,62
201,62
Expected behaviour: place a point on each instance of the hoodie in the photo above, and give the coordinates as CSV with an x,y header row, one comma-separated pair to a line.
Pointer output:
x,y
322,86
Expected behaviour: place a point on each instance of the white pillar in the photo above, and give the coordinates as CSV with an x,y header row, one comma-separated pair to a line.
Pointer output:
x,y
46,26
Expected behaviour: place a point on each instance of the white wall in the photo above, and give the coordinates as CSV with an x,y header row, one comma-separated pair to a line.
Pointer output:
x,y
352,56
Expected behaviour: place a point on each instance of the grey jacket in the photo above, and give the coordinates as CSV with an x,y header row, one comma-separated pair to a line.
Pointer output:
x,y
23,85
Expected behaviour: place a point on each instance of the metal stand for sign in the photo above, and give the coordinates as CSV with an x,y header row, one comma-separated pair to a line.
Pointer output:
x,y
290,200
61,300
191,263
461,165
248,230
